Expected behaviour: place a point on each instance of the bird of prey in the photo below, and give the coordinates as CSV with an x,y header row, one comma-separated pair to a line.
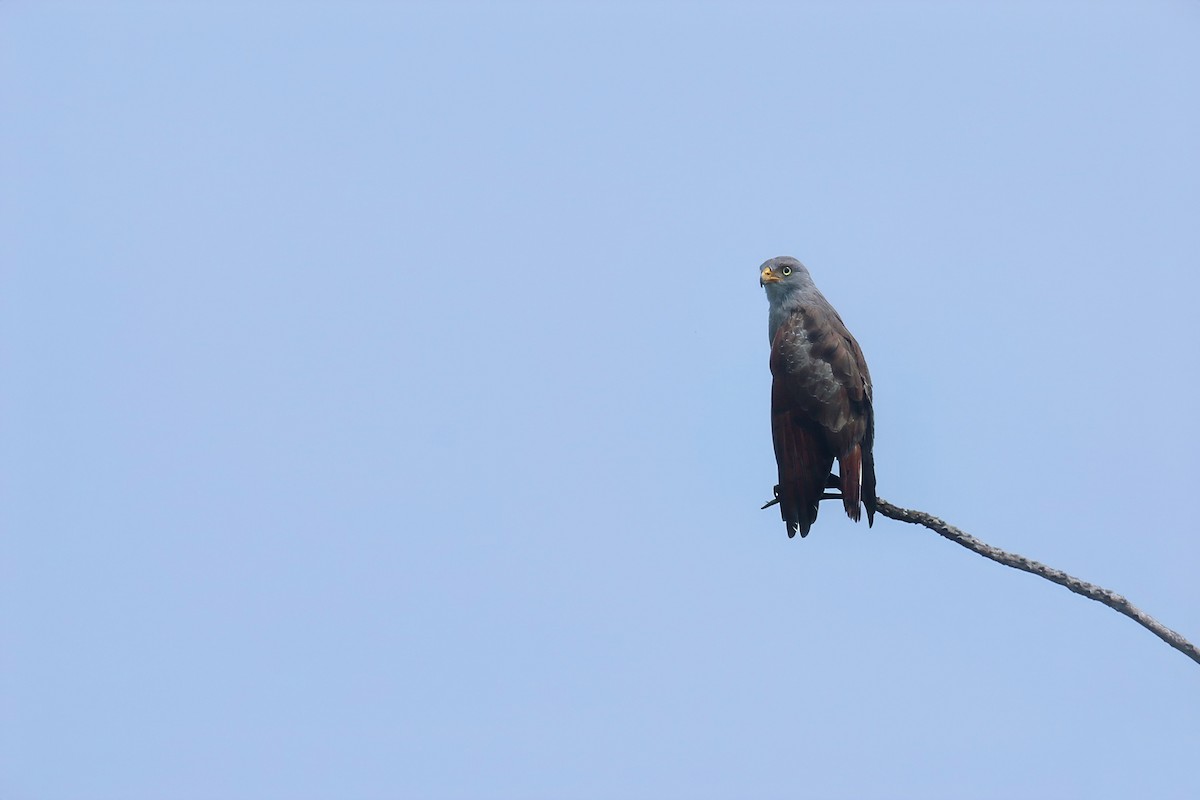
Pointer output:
x,y
820,401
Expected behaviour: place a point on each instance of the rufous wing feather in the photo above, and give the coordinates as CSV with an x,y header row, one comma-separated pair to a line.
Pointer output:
x,y
850,468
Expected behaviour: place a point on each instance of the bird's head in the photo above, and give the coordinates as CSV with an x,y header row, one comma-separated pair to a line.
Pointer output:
x,y
783,275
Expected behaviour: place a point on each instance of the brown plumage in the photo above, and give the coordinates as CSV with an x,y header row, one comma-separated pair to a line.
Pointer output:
x,y
820,401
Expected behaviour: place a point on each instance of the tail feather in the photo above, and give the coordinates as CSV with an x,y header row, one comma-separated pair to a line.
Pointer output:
x,y
804,464
851,468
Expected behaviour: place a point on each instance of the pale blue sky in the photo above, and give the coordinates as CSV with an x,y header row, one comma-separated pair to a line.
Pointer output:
x,y
385,399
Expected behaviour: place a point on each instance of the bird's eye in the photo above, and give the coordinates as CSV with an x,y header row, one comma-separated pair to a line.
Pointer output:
x,y
787,271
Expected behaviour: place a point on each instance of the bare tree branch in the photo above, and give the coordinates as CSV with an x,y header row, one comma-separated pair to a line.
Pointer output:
x,y
1090,591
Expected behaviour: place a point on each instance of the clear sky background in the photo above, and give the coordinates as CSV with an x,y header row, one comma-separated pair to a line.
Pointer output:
x,y
385,399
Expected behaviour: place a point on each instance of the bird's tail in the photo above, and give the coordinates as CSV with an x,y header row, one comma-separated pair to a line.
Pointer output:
x,y
802,472
850,466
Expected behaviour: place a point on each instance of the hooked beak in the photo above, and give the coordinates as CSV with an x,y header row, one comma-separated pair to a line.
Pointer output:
x,y
768,277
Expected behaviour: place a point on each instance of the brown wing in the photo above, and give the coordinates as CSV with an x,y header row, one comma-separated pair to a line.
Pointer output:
x,y
804,461
820,410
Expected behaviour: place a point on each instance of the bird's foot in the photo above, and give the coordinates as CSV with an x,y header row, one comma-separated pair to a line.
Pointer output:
x,y
832,482
774,502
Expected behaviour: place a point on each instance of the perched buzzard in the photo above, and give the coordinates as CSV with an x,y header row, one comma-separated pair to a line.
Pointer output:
x,y
820,400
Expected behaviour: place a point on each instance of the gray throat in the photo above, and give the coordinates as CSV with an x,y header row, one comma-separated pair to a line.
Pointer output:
x,y
782,307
